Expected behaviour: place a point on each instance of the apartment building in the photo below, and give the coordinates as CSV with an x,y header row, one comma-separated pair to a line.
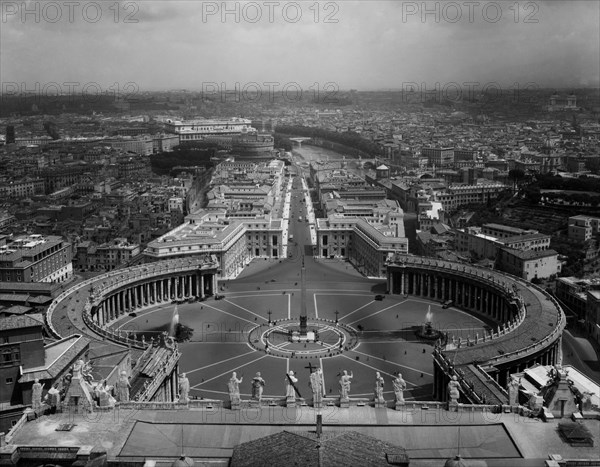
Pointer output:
x,y
583,228
365,245
36,258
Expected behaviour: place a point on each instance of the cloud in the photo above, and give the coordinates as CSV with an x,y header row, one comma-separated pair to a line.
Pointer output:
x,y
370,44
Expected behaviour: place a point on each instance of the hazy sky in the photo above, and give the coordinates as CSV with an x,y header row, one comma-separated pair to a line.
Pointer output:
x,y
354,44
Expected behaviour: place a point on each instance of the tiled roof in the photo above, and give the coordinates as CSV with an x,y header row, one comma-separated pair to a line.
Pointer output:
x,y
17,310
22,321
530,254
303,448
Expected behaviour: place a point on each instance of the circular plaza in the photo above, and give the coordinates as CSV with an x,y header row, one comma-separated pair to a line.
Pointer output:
x,y
252,324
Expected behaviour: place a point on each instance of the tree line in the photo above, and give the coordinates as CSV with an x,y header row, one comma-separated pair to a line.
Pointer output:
x,y
163,162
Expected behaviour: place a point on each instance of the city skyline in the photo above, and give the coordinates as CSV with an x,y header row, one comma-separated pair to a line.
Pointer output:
x,y
374,45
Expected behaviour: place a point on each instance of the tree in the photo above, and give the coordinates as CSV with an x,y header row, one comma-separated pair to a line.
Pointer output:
x,y
533,195
516,174
183,333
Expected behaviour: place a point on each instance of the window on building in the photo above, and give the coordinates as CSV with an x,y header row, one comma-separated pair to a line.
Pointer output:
x,y
8,380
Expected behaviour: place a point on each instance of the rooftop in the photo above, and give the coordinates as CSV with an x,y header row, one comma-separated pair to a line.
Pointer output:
x,y
529,255
212,434
21,321
58,356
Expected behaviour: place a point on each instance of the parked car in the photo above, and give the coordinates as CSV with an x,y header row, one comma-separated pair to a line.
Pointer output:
x,y
219,296
447,304
379,297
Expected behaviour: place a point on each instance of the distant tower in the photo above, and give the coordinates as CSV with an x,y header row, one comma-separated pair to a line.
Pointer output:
x,y
10,134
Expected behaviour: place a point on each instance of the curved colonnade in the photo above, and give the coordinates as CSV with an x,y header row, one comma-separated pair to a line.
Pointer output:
x,y
529,323
102,300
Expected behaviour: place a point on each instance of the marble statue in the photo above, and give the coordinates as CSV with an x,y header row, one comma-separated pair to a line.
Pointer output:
x,y
53,397
317,385
86,372
378,387
77,368
258,385
36,395
104,397
513,392
234,388
122,387
454,390
184,388
290,388
345,381
399,387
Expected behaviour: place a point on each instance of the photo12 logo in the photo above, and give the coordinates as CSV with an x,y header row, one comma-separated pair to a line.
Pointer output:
x,y
89,91
453,12
414,92
271,12
69,12
271,90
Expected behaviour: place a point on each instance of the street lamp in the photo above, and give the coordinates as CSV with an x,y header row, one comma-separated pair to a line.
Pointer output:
x,y
336,316
269,313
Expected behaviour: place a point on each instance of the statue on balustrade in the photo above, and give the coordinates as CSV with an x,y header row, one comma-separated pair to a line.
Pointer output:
x,y
36,395
290,385
184,388
102,392
52,398
399,387
258,385
317,385
234,388
345,382
453,390
122,387
379,382
513,391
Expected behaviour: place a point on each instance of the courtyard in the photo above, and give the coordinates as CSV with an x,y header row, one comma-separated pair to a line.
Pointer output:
x,y
385,331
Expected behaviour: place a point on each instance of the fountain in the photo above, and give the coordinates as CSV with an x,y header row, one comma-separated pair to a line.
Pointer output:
x,y
426,331
174,322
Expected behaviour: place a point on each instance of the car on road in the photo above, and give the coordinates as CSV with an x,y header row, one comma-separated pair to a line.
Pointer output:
x,y
379,297
219,296
447,304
